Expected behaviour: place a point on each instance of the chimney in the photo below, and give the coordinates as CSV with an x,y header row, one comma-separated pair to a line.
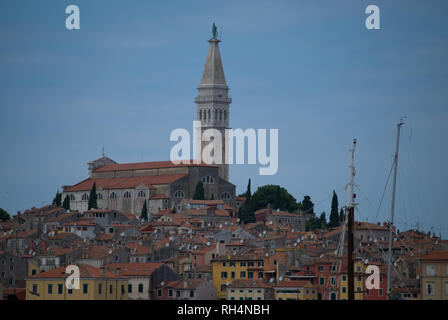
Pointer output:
x,y
102,271
117,271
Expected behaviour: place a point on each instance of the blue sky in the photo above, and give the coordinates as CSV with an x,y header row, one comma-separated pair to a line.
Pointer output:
x,y
128,77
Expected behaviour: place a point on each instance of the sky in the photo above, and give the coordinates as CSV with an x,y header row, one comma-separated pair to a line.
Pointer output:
x,y
310,69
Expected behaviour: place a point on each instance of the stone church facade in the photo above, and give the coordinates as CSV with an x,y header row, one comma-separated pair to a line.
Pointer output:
x,y
163,185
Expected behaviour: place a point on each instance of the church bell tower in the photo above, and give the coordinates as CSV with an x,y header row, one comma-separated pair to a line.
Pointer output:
x,y
213,99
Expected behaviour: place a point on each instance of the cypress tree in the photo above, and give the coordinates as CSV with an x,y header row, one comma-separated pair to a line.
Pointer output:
x,y
57,199
341,216
323,220
246,212
66,203
144,214
93,198
212,197
334,215
199,193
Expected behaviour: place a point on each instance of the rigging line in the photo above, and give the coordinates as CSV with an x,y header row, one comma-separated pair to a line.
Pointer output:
x,y
403,178
382,250
416,169
384,192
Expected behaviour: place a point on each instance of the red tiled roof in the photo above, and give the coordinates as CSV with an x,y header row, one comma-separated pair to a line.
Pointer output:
x,y
436,255
159,196
85,271
146,165
134,268
125,182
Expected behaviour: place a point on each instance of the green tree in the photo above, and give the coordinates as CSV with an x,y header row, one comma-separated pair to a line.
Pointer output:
x,y
246,212
307,205
4,215
57,199
93,198
199,193
341,216
313,224
323,220
212,197
144,214
66,203
334,215
278,197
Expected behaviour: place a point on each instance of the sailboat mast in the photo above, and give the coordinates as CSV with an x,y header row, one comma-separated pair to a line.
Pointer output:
x,y
350,224
392,209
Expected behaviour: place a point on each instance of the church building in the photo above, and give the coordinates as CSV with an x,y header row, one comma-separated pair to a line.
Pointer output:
x,y
163,185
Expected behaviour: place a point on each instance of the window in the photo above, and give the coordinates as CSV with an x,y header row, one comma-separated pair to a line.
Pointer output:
x,y
260,275
113,195
60,288
225,195
208,180
72,197
141,194
70,291
178,293
344,278
243,264
170,293
321,281
159,292
50,289
429,288
85,288
34,288
261,263
127,195
140,288
122,289
99,196
321,268
430,270
100,288
232,274
129,287
232,263
224,264
224,275
250,263
380,292
243,274
191,293
111,289
333,281
85,197
250,274
179,194
223,287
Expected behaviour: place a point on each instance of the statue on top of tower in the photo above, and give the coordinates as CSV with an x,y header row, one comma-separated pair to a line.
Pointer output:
x,y
214,31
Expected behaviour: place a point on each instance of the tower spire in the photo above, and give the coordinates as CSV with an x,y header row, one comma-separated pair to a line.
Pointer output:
x,y
213,100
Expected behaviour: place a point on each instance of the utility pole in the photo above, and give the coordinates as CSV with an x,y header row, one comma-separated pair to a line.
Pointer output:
x,y
350,223
392,209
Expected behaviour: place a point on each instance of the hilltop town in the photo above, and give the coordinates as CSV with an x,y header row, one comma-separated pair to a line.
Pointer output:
x,y
202,251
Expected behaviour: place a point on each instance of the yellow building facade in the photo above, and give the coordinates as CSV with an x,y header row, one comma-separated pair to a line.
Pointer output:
x,y
359,269
295,290
225,270
94,284
434,276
